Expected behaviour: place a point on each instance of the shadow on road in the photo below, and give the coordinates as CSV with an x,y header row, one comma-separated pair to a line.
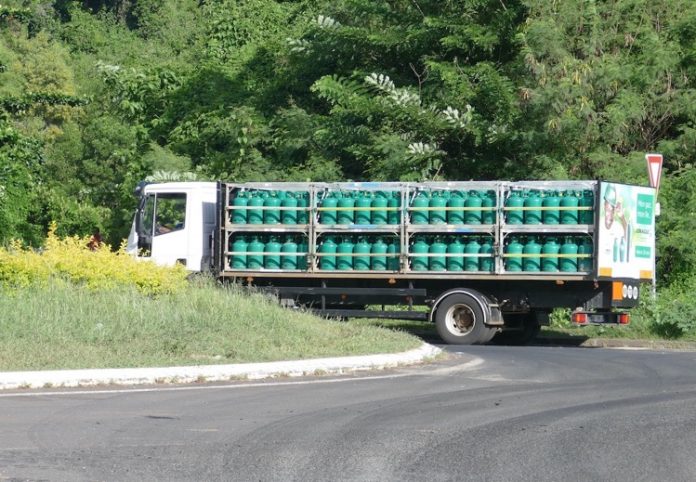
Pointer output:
x,y
558,338
426,331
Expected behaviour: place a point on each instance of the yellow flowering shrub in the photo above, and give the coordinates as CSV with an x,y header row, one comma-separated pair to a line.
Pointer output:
x,y
70,259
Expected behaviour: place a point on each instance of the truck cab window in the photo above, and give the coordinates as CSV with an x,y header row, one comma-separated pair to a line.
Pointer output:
x,y
170,213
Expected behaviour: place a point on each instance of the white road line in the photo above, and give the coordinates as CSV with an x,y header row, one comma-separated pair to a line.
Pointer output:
x,y
630,348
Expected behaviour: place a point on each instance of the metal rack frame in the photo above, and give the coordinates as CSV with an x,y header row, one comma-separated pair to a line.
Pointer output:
x,y
499,231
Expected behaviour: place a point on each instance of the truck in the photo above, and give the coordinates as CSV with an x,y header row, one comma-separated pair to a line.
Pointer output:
x,y
480,259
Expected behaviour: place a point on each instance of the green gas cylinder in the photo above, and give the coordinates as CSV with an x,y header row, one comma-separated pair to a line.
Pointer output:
x,y
437,215
488,202
379,263
532,215
512,262
345,208
471,263
514,203
393,205
379,208
549,260
363,202
239,260
302,205
569,204
551,214
585,263
302,248
569,255
288,257
255,250
473,204
532,260
328,251
393,250
288,214
455,215
344,255
239,216
361,251
419,213
437,263
455,247
586,216
460,194
419,247
271,257
486,263
255,213
328,215
271,213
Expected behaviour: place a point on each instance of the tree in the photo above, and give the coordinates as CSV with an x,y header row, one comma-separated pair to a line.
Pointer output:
x,y
606,82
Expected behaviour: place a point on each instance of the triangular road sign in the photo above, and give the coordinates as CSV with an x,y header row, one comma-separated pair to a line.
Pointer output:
x,y
654,169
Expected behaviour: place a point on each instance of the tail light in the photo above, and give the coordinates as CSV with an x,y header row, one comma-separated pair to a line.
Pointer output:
x,y
624,319
580,318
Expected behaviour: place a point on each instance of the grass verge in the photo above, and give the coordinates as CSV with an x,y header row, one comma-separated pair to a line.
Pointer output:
x,y
60,326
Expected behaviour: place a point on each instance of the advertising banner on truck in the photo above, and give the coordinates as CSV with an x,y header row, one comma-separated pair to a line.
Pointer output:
x,y
626,231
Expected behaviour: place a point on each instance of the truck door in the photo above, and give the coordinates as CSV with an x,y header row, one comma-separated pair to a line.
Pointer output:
x,y
162,234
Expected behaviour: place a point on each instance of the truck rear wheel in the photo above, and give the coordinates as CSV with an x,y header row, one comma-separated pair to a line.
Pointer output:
x,y
460,320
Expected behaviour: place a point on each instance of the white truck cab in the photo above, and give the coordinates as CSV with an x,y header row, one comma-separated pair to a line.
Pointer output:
x,y
174,223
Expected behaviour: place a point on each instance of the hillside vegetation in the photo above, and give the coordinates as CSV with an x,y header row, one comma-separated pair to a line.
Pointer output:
x,y
96,95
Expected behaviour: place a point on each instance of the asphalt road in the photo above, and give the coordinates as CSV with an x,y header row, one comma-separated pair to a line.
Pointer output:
x,y
488,413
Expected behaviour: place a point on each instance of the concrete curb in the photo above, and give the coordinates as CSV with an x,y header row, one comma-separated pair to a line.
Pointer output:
x,y
210,373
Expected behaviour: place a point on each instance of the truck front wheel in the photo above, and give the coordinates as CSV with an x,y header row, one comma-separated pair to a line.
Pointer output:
x,y
460,320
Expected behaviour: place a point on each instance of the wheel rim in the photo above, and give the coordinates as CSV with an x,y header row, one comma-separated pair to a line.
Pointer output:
x,y
460,320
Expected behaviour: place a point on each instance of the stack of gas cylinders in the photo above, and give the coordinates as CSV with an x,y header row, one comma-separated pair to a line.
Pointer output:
x,y
269,207
360,207
535,206
256,251
546,253
451,253
358,253
453,207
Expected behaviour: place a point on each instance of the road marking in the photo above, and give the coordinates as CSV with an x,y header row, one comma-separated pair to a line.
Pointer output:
x,y
458,368
470,365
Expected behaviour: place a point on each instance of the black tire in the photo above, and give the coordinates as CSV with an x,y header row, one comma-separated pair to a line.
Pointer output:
x,y
487,337
525,331
460,320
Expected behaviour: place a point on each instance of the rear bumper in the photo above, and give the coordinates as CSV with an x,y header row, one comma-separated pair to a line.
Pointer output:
x,y
584,318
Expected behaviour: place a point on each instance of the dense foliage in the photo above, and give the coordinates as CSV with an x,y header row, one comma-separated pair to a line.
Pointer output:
x,y
98,94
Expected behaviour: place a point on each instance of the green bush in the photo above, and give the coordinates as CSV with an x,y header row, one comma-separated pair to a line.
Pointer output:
x,y
675,310
70,259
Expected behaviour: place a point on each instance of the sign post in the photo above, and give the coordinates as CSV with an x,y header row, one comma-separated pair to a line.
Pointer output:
x,y
654,162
